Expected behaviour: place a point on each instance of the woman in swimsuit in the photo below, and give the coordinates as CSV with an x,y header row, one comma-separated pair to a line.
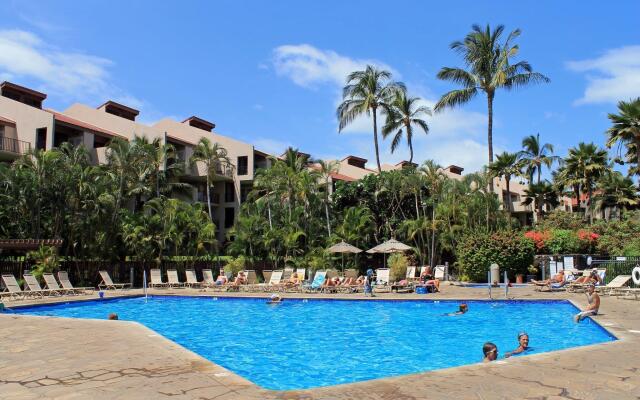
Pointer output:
x,y
523,341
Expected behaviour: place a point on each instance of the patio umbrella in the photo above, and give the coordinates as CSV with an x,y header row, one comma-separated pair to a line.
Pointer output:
x,y
344,247
390,246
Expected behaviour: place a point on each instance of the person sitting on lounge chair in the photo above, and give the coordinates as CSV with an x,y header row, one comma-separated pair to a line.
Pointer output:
x,y
523,345
330,282
593,277
348,282
427,279
490,352
555,282
360,280
594,304
221,280
241,279
294,280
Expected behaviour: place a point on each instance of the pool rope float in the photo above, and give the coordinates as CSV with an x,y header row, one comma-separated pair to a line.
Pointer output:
x,y
635,275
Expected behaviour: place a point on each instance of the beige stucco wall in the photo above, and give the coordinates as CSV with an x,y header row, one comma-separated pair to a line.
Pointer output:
x,y
27,120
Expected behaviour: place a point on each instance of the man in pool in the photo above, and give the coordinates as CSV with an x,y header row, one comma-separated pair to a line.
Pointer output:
x,y
594,304
113,316
275,299
490,352
461,310
523,345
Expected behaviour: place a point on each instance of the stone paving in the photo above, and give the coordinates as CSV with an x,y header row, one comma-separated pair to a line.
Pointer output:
x,y
61,358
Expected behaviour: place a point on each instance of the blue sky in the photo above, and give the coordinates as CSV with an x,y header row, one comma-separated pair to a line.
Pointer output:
x,y
270,73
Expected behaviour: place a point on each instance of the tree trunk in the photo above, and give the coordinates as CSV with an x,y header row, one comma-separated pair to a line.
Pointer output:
x,y
433,235
576,190
410,146
590,193
490,132
326,211
506,179
375,138
539,171
209,199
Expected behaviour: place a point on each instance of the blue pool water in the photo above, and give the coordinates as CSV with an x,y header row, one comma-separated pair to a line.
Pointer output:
x,y
303,344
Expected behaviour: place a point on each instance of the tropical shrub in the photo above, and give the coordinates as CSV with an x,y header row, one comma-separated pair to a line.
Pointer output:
x,y
632,249
46,260
563,241
616,235
540,239
235,265
397,263
476,251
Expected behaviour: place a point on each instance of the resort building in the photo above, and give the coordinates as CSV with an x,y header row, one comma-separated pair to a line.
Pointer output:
x,y
25,125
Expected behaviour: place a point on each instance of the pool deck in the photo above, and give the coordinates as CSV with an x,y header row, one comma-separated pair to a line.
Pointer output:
x,y
62,358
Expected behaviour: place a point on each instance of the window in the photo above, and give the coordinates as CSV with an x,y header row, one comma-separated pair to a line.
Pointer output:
x,y
244,192
229,216
243,165
229,192
41,138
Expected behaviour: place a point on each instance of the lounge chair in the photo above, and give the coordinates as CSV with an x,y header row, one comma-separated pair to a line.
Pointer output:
x,y
411,273
107,283
52,284
174,281
207,278
618,283
34,286
351,273
251,278
274,283
13,289
581,287
382,284
628,292
63,277
192,280
156,279
439,272
266,275
317,282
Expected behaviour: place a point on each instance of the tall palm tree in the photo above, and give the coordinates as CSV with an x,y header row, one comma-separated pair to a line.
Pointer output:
x,y
405,113
615,190
487,59
367,92
506,165
534,156
327,168
541,194
626,128
587,163
212,155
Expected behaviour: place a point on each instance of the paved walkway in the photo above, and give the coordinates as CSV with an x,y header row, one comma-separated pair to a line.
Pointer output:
x,y
60,358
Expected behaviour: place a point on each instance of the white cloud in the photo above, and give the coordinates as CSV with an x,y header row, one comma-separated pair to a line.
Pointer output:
x,y
307,66
612,77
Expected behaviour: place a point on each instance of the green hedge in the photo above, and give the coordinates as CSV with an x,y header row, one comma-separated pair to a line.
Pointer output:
x,y
509,249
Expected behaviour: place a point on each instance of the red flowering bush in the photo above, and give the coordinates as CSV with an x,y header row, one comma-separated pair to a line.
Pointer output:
x,y
588,240
539,238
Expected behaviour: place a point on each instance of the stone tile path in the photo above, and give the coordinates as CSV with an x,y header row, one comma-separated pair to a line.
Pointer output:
x,y
60,358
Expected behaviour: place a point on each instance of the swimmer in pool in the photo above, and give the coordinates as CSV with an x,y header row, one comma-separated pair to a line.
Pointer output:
x,y
490,352
523,345
463,309
275,299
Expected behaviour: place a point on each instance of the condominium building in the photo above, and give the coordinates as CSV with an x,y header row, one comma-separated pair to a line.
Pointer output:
x,y
25,125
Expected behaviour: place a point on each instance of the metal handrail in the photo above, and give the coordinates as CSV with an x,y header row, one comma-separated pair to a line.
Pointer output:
x,y
14,145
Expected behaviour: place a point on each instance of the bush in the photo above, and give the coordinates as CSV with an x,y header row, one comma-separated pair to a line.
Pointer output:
x,y
397,263
563,241
512,251
235,265
46,261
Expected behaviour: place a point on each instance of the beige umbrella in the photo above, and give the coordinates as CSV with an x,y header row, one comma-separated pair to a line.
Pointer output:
x,y
390,246
344,247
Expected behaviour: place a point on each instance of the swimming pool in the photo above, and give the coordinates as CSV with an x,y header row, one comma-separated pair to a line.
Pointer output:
x,y
309,343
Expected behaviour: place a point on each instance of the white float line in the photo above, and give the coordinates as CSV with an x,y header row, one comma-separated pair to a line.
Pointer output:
x,y
633,331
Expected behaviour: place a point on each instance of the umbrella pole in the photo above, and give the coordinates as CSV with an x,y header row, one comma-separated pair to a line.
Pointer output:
x,y
342,264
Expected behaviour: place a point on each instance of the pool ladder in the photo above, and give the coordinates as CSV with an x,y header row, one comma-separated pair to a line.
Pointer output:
x,y
506,285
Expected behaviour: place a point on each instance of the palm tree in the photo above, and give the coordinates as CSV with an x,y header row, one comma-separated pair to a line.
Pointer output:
x,y
404,114
489,69
615,190
212,156
541,194
586,163
506,165
626,128
534,156
367,92
326,170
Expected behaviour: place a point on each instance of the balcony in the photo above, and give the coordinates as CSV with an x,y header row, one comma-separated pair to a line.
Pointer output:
x,y
15,146
202,198
223,170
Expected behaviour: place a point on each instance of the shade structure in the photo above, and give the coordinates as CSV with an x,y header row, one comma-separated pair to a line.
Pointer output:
x,y
390,246
344,247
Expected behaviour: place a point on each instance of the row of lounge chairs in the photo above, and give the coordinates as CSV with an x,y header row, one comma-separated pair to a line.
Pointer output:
x,y
33,289
618,286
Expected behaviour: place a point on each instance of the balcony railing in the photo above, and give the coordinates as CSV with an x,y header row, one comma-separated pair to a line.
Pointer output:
x,y
224,168
215,198
14,145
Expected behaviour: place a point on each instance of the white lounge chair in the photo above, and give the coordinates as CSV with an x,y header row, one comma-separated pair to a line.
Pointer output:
x,y
63,277
316,284
618,283
382,283
13,289
156,279
34,286
192,280
439,272
274,283
207,278
174,281
52,284
108,284
411,273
